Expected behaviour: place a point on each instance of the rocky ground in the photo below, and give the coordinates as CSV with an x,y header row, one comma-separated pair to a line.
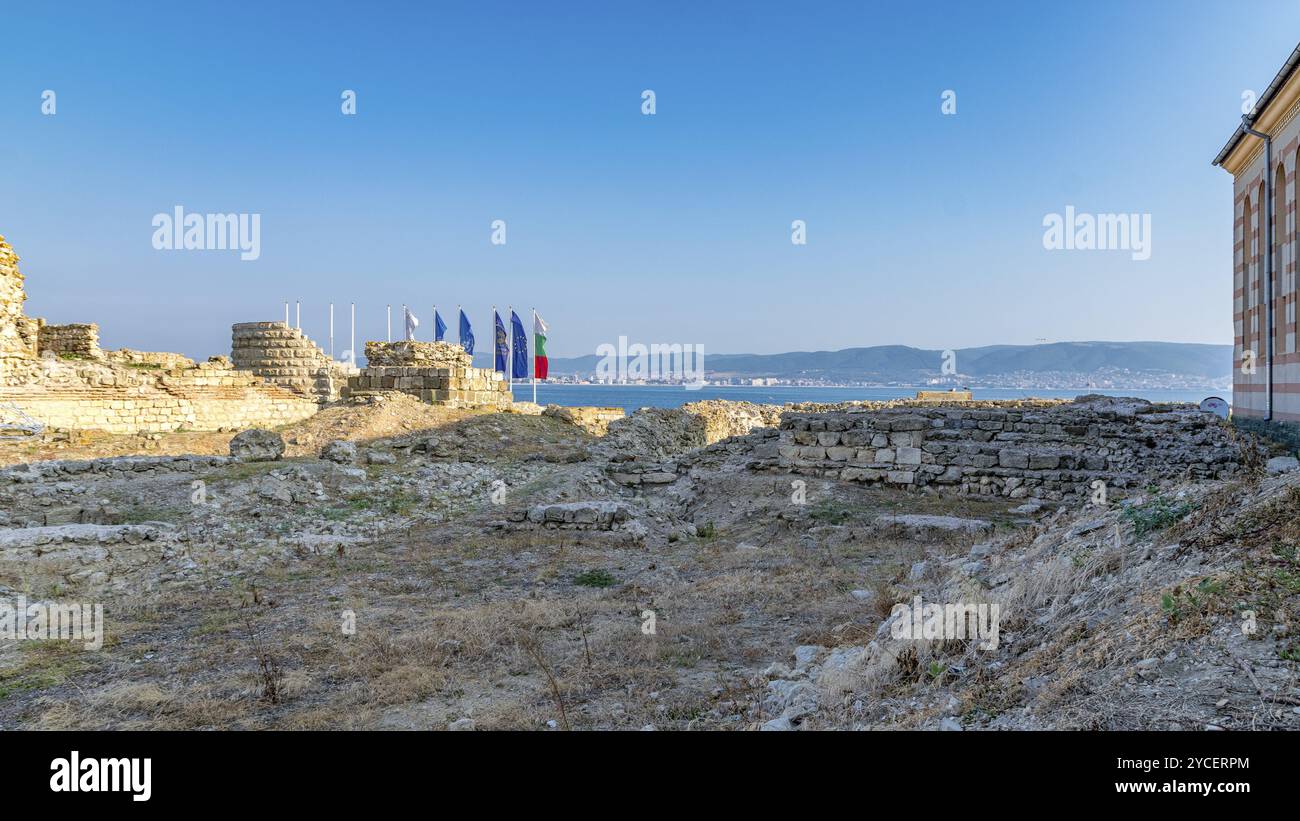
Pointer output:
x,y
403,566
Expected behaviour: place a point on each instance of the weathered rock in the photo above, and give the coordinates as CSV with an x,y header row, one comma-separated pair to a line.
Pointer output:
x,y
341,451
923,525
257,445
1282,464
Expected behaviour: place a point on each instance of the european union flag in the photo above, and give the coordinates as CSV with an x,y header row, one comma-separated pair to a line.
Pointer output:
x,y
439,327
503,342
466,334
519,344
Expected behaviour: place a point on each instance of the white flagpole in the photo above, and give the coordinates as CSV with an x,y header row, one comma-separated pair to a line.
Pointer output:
x,y
534,310
435,323
331,330
493,326
286,313
510,343
390,323
297,314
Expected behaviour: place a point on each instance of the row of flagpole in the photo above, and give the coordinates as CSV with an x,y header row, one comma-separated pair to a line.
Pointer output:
x,y
502,347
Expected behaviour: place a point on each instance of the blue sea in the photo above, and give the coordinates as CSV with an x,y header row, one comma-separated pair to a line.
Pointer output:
x,y
631,397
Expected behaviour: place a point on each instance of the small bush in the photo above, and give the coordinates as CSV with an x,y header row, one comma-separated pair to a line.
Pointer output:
x,y
1159,513
595,578
831,512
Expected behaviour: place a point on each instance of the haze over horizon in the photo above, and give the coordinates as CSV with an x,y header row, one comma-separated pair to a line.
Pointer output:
x,y
923,229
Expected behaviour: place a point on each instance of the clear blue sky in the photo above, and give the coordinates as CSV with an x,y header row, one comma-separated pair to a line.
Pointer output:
x,y
922,229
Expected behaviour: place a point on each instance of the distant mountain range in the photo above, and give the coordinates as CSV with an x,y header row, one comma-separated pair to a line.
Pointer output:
x,y
1123,364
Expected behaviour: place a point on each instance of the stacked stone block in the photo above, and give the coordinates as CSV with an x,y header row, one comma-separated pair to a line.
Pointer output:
x,y
435,372
1052,453
79,387
287,357
211,396
77,340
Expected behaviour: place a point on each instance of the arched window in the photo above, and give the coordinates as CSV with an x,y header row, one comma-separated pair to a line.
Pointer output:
x,y
1247,276
1294,323
1261,246
1279,265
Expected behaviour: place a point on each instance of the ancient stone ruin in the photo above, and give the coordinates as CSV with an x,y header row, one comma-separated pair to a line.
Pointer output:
x,y
18,333
1049,451
439,373
286,357
59,376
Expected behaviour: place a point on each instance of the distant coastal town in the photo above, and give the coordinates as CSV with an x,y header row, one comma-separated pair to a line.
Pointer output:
x,y
1108,379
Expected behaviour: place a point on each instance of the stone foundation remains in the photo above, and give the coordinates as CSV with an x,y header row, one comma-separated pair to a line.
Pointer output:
x,y
1052,452
439,373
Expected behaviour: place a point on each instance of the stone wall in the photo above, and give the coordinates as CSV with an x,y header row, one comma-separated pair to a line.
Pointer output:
x,y
17,333
287,357
99,396
70,341
57,376
435,372
1050,452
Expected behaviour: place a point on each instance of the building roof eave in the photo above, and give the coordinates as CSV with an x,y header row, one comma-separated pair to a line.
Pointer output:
x,y
1283,75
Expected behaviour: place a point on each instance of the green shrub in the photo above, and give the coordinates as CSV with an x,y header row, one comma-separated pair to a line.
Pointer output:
x,y
595,578
1159,513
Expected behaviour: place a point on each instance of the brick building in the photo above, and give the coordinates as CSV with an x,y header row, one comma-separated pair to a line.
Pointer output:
x,y
1262,155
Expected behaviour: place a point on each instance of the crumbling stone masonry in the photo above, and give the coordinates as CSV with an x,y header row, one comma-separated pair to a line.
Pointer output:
x,y
89,395
156,359
18,334
58,376
593,420
71,341
287,357
1052,452
439,373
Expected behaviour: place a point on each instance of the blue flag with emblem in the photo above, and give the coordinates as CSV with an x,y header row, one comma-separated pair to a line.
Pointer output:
x,y
439,327
502,342
466,334
519,348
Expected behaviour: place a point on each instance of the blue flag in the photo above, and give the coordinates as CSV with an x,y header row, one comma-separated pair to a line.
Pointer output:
x,y
519,345
439,327
466,334
503,342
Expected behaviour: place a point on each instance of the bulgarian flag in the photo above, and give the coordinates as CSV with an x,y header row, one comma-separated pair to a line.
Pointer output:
x,y
539,347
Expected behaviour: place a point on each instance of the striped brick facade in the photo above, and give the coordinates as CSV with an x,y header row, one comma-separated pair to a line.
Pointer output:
x,y
1276,115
